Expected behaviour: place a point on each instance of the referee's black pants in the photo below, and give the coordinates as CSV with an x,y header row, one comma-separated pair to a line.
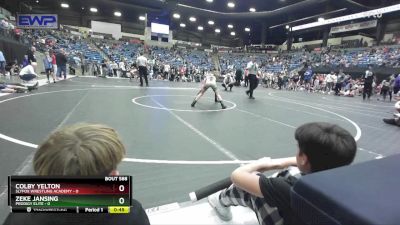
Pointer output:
x,y
367,90
143,73
253,80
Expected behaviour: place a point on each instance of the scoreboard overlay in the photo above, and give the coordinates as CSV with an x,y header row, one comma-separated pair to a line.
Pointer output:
x,y
65,194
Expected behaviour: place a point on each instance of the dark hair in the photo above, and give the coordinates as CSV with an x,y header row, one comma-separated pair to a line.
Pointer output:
x,y
326,145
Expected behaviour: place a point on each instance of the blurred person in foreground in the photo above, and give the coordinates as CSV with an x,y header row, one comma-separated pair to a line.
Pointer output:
x,y
80,150
321,146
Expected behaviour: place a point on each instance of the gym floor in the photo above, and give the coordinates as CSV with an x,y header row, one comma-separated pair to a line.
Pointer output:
x,y
173,149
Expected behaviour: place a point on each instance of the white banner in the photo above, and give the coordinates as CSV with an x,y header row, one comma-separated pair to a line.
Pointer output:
x,y
354,26
376,13
107,28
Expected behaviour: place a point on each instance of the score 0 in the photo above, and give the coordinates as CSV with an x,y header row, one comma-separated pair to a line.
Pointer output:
x,y
121,200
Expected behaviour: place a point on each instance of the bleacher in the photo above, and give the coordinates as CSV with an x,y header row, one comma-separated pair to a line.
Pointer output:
x,y
181,57
119,51
266,62
116,51
74,49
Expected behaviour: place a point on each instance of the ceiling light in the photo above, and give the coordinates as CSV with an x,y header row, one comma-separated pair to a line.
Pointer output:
x,y
211,22
287,27
233,33
217,30
192,19
230,26
321,19
117,14
200,28
182,25
209,0
37,1
142,18
93,10
176,16
231,4
247,29
64,5
252,9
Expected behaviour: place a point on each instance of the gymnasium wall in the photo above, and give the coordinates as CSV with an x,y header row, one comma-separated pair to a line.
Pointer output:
x,y
12,49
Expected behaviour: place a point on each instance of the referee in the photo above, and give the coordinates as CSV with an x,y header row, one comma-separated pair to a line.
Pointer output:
x,y
369,78
252,69
142,64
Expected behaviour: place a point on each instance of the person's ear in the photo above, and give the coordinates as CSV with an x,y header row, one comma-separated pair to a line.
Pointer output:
x,y
114,173
303,162
303,159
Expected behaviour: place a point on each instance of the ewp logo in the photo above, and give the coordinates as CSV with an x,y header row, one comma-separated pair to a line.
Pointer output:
x,y
37,21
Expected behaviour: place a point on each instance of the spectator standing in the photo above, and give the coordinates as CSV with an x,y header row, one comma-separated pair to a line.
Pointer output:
x,y
48,67
53,62
154,65
114,67
83,64
61,60
104,68
167,69
246,78
122,67
329,81
308,78
31,55
340,79
385,89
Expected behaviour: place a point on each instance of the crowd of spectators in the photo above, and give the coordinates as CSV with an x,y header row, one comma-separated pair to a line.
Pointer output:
x,y
175,64
8,28
118,58
386,56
